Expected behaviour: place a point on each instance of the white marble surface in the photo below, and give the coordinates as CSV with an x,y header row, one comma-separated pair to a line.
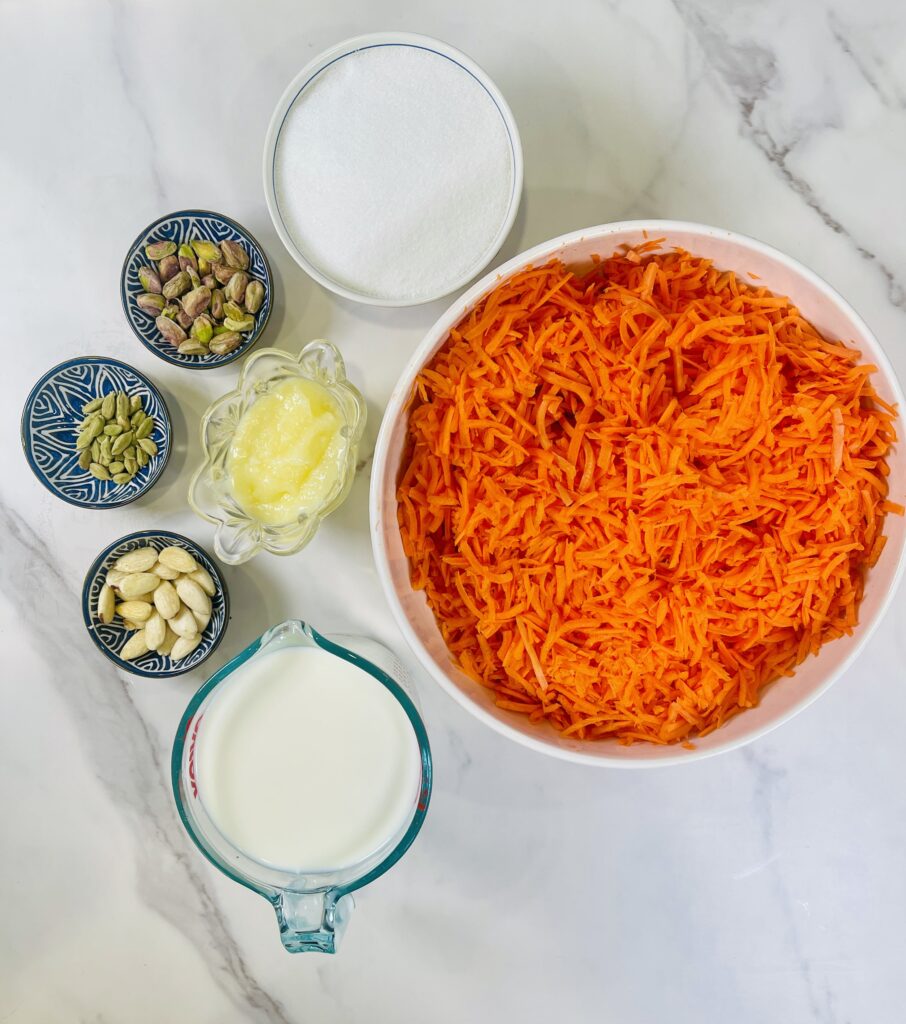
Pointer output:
x,y
765,885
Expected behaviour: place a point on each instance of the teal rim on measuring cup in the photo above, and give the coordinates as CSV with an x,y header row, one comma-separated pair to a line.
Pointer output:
x,y
312,907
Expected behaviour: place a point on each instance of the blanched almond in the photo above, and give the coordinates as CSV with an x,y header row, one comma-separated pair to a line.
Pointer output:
x,y
184,646
164,571
106,604
204,579
166,600
139,560
184,623
202,620
178,558
155,631
169,640
134,647
129,624
114,577
190,593
137,584
138,611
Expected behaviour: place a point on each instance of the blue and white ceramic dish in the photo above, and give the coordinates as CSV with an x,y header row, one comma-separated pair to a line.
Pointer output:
x,y
50,426
180,227
111,638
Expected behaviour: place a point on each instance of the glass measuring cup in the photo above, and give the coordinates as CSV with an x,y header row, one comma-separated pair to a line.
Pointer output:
x,y
312,907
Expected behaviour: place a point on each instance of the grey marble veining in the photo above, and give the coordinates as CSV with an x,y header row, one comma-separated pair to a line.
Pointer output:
x,y
763,885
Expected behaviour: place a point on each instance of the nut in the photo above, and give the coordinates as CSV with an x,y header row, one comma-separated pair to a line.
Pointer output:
x,y
168,268
191,348
150,279
243,323
184,645
137,584
166,600
234,255
254,296
203,329
196,301
155,630
170,331
159,250
177,558
138,611
134,647
217,304
222,272
191,594
224,343
178,285
106,604
205,250
187,258
151,304
183,623
205,580
235,289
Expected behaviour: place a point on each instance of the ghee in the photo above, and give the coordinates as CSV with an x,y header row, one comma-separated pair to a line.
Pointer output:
x,y
287,452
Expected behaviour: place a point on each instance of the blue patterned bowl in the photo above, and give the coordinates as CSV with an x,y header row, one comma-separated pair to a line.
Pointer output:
x,y
50,426
180,227
111,638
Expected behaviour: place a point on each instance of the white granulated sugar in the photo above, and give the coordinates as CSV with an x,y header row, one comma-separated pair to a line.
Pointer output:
x,y
394,173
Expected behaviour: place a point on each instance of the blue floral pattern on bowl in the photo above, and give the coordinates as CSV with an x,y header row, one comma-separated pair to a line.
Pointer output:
x,y
183,227
111,638
50,426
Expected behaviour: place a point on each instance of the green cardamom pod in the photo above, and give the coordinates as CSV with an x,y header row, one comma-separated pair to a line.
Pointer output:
x,y
146,444
84,440
92,406
122,404
116,467
144,428
122,478
98,471
135,403
85,458
108,408
113,430
95,451
122,442
132,465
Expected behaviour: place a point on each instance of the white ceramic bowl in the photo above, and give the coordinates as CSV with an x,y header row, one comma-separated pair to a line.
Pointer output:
x,y
306,76
827,311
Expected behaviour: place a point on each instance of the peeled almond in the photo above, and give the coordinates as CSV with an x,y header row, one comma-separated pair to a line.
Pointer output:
x,y
184,623
164,571
106,604
138,611
114,577
204,579
170,639
178,559
184,646
139,560
190,593
202,620
155,631
166,600
134,647
138,584
129,624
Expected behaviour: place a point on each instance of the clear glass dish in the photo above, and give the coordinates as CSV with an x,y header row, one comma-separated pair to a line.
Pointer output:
x,y
239,536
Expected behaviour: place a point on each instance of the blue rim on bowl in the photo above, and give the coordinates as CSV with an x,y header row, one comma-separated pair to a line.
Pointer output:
x,y
50,426
111,638
178,227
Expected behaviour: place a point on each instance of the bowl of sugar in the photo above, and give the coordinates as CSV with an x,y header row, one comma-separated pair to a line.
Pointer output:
x,y
392,169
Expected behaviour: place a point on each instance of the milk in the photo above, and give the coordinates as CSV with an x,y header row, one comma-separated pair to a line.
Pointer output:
x,y
306,762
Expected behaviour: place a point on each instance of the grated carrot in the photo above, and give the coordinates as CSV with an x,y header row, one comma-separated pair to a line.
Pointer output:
x,y
636,497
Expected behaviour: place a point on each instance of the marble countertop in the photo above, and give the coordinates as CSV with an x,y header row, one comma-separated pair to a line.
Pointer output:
x,y
763,885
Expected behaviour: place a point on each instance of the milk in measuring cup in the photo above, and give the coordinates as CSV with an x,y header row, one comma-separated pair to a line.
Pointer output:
x,y
305,762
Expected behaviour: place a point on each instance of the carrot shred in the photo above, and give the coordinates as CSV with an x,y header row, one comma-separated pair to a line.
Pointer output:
x,y
636,497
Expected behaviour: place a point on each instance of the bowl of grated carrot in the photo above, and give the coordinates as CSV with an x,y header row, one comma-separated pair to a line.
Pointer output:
x,y
637,497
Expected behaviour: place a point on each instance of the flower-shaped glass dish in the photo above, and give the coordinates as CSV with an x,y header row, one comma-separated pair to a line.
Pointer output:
x,y
239,536
180,227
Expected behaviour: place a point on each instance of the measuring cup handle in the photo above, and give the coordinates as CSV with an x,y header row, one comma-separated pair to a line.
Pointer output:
x,y
312,921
